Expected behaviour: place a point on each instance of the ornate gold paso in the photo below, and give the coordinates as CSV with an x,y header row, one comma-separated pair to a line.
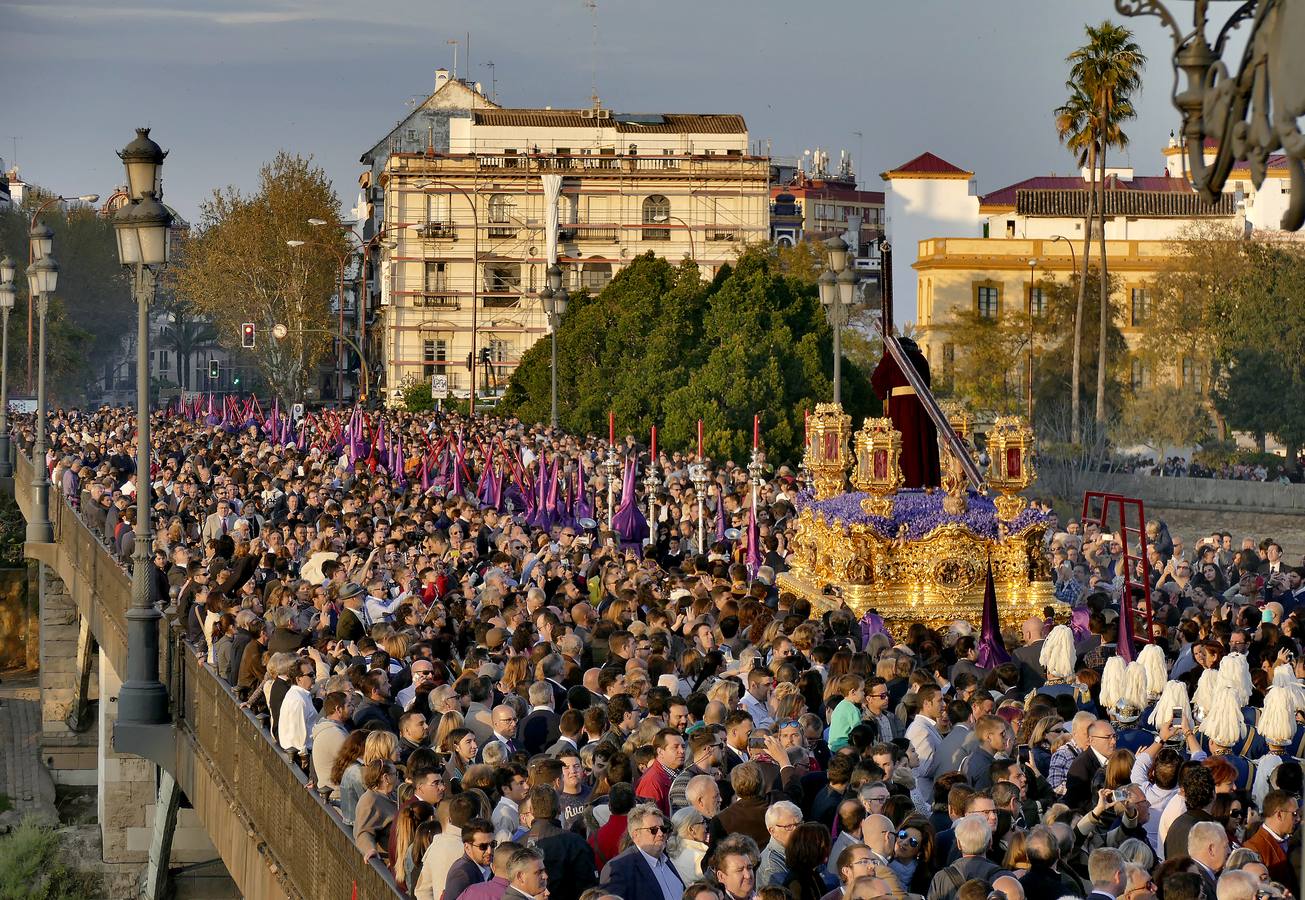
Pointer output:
x,y
935,580
878,469
954,482
827,456
1010,469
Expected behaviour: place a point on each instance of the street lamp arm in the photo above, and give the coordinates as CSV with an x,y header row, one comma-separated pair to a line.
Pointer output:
x,y
362,357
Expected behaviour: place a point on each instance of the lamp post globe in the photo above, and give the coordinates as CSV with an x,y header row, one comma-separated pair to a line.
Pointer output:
x,y
41,240
42,278
8,269
847,282
43,275
143,160
560,300
554,276
828,284
836,247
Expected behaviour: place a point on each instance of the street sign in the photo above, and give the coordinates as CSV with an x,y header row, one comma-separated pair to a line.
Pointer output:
x,y
439,387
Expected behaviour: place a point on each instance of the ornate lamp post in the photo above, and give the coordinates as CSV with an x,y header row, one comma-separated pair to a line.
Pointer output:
x,y
42,277
555,299
698,475
7,294
611,468
837,288
651,482
142,231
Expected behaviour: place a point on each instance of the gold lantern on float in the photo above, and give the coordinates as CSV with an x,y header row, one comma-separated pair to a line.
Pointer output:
x,y
827,455
958,417
1010,469
878,469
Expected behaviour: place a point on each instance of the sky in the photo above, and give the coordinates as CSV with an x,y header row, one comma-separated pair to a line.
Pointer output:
x,y
225,84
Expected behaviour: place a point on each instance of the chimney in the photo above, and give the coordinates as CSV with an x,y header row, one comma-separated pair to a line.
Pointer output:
x,y
441,76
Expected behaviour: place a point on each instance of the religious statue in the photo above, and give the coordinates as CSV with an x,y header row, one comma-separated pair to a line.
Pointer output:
x,y
919,454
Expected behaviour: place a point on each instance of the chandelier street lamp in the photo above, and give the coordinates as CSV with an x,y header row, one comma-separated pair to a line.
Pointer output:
x,y
142,229
1233,108
42,277
837,290
7,294
555,299
41,239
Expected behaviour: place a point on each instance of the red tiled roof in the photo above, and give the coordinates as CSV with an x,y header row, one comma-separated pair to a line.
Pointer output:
x,y
928,164
1006,196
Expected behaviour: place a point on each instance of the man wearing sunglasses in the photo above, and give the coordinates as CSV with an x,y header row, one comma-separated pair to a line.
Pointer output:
x,y
473,867
644,872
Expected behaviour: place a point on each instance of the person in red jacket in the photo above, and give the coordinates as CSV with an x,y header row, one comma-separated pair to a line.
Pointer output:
x,y
606,841
655,785
1281,819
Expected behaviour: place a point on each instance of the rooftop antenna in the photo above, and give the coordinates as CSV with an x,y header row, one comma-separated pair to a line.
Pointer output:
x,y
860,151
493,81
454,42
592,5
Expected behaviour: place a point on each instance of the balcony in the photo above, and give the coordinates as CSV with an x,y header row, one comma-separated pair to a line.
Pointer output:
x,y
502,230
433,300
500,301
437,231
600,234
721,234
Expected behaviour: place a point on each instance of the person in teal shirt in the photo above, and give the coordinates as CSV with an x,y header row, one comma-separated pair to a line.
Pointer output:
x,y
847,714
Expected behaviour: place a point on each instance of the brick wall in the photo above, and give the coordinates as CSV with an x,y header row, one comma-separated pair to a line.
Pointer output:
x,y
70,756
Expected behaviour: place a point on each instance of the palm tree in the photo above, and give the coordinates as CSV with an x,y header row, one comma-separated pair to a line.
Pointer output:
x,y
1075,125
1108,70
186,336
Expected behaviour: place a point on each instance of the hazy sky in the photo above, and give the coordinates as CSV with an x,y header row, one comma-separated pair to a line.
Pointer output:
x,y
226,84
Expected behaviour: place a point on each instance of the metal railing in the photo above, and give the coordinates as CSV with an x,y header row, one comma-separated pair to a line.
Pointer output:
x,y
306,847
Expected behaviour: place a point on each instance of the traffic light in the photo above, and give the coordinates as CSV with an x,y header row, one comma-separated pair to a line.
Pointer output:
x,y
247,335
213,369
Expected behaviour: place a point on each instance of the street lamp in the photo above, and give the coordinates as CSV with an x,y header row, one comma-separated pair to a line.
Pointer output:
x,y
837,291
40,241
142,228
1028,366
341,259
42,277
7,272
555,299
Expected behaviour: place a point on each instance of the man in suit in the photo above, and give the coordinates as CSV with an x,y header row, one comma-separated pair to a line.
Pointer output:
x,y
352,624
644,872
1032,674
1273,563
1106,872
218,523
539,729
1207,845
738,728
570,728
924,737
1197,786
960,741
473,866
1281,819
1080,782
527,877
568,858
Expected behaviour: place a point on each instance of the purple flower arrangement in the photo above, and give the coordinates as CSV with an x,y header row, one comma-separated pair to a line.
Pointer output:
x,y
921,512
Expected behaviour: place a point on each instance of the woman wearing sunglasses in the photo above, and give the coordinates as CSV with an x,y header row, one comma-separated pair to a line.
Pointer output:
x,y
912,859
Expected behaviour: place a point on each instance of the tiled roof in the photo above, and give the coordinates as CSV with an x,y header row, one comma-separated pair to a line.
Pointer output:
x,y
1005,197
626,123
1141,202
927,164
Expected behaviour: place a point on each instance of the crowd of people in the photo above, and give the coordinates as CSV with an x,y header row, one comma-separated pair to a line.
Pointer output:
x,y
1179,467
504,705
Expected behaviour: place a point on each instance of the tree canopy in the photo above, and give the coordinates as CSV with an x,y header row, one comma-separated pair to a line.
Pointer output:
x,y
661,346
238,267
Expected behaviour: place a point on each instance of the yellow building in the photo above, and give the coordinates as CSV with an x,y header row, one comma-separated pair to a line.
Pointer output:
x,y
472,235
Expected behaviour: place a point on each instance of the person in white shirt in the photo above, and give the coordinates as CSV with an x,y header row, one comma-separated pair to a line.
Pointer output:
x,y
380,608
514,784
924,738
298,715
760,684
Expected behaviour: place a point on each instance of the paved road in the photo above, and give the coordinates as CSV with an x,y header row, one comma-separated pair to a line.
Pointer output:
x,y
22,777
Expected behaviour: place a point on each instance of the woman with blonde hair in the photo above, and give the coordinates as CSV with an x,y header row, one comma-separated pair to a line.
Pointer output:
x,y
688,843
1119,769
376,808
725,691
406,824
449,722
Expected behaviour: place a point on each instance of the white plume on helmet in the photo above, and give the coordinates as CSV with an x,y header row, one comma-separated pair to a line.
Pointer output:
x,y
1223,723
1236,674
1174,696
1206,687
1152,659
1057,655
1112,682
1285,677
1278,721
1134,697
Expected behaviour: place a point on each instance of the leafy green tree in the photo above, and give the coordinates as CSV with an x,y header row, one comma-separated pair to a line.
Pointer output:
x,y
988,376
661,346
238,267
1163,416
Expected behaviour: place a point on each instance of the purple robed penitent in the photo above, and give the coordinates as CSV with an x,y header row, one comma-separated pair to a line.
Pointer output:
x,y
991,648
629,521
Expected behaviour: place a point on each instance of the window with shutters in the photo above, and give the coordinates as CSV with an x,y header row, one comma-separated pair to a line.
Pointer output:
x,y
656,212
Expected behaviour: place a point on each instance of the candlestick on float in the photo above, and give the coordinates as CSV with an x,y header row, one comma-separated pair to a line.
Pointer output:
x,y
650,484
698,475
700,440
611,428
756,431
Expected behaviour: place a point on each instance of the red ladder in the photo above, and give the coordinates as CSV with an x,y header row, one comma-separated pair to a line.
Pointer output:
x,y
1105,503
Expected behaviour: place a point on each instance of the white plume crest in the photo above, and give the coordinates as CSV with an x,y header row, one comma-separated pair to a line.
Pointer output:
x,y
1174,696
1112,682
1057,655
1206,687
1285,677
1135,682
1223,723
1278,721
1152,659
1236,674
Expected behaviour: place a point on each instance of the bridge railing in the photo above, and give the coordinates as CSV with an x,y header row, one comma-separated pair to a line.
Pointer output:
x,y
307,847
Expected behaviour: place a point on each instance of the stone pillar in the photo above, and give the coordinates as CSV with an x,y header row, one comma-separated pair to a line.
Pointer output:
x,y
128,792
69,756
